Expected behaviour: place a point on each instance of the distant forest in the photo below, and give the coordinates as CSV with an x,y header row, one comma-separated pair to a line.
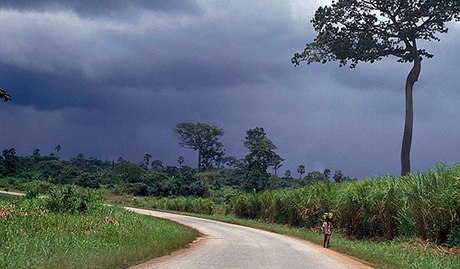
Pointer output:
x,y
215,175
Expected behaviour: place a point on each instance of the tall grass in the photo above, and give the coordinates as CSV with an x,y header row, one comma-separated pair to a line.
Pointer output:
x,y
424,205
184,204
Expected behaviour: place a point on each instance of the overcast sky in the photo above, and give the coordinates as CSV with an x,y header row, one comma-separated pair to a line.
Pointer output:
x,y
112,79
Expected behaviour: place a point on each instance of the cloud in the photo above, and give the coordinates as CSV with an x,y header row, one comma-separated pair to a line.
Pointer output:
x,y
86,8
113,79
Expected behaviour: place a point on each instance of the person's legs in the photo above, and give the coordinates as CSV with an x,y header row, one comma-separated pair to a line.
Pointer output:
x,y
327,238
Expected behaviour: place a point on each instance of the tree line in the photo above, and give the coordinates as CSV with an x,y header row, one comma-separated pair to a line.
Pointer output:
x,y
215,174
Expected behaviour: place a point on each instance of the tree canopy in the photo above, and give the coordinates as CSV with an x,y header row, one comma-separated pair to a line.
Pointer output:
x,y
353,31
5,95
204,138
261,156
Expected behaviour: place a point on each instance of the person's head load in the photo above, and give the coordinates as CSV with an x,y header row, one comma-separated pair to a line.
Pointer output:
x,y
327,216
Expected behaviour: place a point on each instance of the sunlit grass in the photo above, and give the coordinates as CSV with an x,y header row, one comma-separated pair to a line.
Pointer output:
x,y
103,237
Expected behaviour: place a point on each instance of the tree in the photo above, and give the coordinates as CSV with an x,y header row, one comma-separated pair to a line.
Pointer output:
x,y
338,176
128,172
261,155
315,176
36,153
180,160
58,148
204,138
327,173
276,163
287,173
5,95
353,31
147,158
301,170
157,164
10,159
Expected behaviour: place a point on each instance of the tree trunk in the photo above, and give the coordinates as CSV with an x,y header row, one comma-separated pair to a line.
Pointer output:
x,y
412,77
199,160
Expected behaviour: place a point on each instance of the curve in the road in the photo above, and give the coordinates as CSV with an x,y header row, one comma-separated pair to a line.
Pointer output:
x,y
232,246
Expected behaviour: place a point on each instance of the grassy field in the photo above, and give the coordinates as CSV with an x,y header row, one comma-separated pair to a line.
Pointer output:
x,y
33,236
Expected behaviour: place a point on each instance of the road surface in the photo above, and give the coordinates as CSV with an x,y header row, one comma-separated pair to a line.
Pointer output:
x,y
232,246
12,193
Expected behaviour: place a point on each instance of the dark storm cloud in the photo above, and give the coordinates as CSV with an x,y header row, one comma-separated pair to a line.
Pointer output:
x,y
200,54
101,7
113,78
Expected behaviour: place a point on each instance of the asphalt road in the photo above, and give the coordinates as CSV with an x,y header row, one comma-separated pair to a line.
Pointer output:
x,y
226,245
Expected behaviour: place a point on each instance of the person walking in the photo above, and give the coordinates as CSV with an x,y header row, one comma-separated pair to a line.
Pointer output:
x,y
327,228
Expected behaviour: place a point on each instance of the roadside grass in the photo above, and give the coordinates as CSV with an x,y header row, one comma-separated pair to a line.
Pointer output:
x,y
7,197
31,236
388,254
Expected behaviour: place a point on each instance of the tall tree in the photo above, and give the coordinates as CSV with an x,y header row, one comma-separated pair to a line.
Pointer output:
x,y
353,31
147,158
301,170
5,95
277,163
204,138
261,156
10,159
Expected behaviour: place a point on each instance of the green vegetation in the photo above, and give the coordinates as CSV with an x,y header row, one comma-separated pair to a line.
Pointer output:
x,y
396,215
393,222
72,229
205,139
423,206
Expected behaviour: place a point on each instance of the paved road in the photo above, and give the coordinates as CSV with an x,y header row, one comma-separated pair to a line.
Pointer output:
x,y
231,246
12,193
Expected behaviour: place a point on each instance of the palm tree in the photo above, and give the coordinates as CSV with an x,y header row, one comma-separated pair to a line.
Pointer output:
x,y
301,170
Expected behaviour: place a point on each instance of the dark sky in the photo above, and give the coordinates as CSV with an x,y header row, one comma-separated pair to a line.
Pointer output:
x,y
113,78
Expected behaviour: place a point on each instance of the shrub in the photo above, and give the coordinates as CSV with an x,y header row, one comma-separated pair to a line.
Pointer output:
x,y
32,194
68,200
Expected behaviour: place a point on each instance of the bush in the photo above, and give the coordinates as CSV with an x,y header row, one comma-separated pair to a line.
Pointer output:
x,y
32,194
68,200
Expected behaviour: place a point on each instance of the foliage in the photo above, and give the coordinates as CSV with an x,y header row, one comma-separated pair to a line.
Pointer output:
x,y
5,95
366,31
32,194
423,205
69,200
261,155
204,138
301,170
